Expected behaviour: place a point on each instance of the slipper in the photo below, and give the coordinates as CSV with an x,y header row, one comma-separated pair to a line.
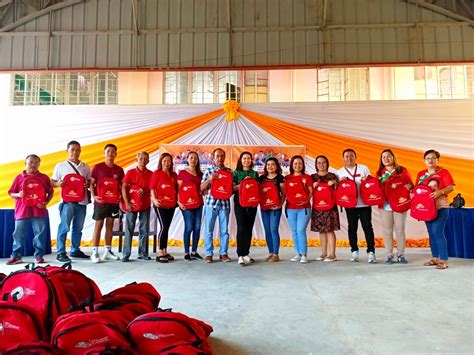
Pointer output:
x,y
330,259
431,262
441,265
169,257
162,259
321,258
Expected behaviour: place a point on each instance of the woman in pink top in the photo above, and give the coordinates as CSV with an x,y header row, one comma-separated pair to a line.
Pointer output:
x,y
192,216
163,186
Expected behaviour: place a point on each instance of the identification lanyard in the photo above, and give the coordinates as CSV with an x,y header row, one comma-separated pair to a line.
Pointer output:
x,y
353,175
427,175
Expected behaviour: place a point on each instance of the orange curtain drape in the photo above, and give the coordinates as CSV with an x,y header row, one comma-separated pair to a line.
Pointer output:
x,y
128,147
368,153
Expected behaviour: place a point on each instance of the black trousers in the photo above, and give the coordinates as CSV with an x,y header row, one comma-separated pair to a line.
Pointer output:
x,y
245,217
364,214
164,216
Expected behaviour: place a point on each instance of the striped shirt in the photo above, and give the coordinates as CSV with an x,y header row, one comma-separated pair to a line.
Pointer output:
x,y
210,200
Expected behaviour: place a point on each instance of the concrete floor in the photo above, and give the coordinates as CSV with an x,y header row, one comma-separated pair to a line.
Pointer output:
x,y
317,308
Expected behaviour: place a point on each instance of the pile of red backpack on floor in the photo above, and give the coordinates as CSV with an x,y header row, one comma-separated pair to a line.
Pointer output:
x,y
57,310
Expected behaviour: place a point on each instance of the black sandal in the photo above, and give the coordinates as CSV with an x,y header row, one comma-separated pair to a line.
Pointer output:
x,y
161,259
169,257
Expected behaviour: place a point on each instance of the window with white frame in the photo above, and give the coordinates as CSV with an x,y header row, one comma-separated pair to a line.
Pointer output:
x,y
256,86
65,89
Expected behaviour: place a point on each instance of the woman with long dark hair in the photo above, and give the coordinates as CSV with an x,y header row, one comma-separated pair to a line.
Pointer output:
x,y
164,177
245,216
192,216
272,173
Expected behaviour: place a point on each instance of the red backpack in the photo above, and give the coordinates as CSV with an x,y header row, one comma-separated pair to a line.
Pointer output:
x,y
295,191
221,188
44,294
143,289
79,332
154,332
423,207
33,348
166,194
34,192
398,196
108,190
19,324
73,190
133,197
269,195
346,194
323,197
77,286
189,195
249,193
371,191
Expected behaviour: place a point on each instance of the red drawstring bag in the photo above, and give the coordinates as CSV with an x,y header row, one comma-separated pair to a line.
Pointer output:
x,y
295,191
423,207
73,190
133,197
189,195
269,195
166,194
371,191
221,188
108,190
323,197
33,191
249,193
346,193
398,196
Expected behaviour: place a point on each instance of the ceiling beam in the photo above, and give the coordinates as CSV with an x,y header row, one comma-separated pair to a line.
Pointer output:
x,y
39,13
442,11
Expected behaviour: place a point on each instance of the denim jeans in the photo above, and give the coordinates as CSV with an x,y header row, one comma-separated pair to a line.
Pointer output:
x,y
143,232
192,224
438,242
210,217
271,223
75,213
298,221
39,229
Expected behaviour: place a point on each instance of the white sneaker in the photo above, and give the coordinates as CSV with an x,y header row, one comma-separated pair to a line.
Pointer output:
x,y
297,257
95,258
371,258
248,260
304,259
241,261
109,255
355,256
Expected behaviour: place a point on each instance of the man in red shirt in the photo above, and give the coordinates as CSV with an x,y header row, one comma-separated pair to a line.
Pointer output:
x,y
24,213
137,178
105,210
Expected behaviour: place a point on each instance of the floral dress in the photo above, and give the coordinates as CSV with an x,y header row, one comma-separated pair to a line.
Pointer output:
x,y
325,221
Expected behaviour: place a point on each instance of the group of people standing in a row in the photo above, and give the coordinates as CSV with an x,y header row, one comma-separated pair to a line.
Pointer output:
x,y
149,187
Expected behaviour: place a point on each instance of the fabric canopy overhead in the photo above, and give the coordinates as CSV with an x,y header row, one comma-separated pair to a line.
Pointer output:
x,y
327,129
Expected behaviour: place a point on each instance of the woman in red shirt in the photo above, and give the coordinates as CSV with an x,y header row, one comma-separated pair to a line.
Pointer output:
x,y
298,187
389,172
438,242
192,216
163,186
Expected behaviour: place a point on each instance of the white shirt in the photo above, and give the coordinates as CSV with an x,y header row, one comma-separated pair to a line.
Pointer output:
x,y
62,169
362,172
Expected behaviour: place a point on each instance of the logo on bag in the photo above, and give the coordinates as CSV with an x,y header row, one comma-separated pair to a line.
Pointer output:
x,y
153,336
19,292
32,184
6,325
92,342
